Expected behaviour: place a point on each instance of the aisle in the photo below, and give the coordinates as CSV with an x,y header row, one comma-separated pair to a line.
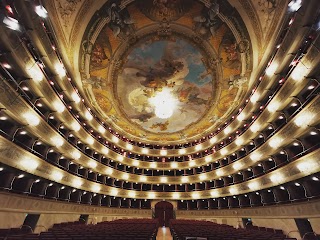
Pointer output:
x,y
164,234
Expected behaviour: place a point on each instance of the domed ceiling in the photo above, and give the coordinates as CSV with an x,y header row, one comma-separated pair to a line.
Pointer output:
x,y
166,70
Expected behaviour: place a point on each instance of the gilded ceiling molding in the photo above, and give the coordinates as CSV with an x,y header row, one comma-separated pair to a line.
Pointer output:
x,y
157,31
125,3
53,14
289,132
60,17
255,23
275,21
66,9
283,94
116,36
16,106
78,24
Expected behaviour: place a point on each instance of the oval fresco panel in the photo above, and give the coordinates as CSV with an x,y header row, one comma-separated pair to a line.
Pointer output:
x,y
164,86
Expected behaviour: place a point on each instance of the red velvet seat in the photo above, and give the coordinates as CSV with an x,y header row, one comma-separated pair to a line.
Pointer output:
x,y
193,228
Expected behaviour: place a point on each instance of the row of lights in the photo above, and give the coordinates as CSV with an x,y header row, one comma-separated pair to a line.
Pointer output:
x,y
306,167
34,121
255,156
36,73
294,6
237,165
303,167
253,128
41,11
272,107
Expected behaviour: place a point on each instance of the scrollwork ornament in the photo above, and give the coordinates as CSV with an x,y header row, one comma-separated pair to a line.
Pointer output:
x,y
197,39
164,29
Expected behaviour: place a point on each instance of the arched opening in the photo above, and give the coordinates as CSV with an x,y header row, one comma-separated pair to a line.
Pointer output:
x,y
164,212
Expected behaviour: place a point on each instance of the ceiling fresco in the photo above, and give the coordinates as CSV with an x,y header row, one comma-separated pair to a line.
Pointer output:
x,y
163,66
165,70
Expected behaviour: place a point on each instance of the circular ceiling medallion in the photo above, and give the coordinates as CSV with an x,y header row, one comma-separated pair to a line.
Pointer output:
x,y
165,71
164,85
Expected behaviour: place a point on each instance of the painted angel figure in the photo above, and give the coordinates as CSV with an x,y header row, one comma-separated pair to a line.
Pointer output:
x,y
168,71
236,81
119,21
95,82
158,76
164,6
206,23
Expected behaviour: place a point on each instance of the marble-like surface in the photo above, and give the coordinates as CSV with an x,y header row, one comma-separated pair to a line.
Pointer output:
x,y
164,234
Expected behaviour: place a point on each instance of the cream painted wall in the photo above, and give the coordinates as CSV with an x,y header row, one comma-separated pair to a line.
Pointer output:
x,y
315,223
46,221
236,222
11,219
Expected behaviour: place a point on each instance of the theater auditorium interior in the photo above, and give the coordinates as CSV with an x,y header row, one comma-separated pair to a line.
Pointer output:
x,y
159,119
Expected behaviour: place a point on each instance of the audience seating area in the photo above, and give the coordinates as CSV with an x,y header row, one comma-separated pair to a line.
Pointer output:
x,y
191,229
13,232
144,229
124,229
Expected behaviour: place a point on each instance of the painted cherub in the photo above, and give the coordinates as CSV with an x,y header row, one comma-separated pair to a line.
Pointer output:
x,y
161,126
